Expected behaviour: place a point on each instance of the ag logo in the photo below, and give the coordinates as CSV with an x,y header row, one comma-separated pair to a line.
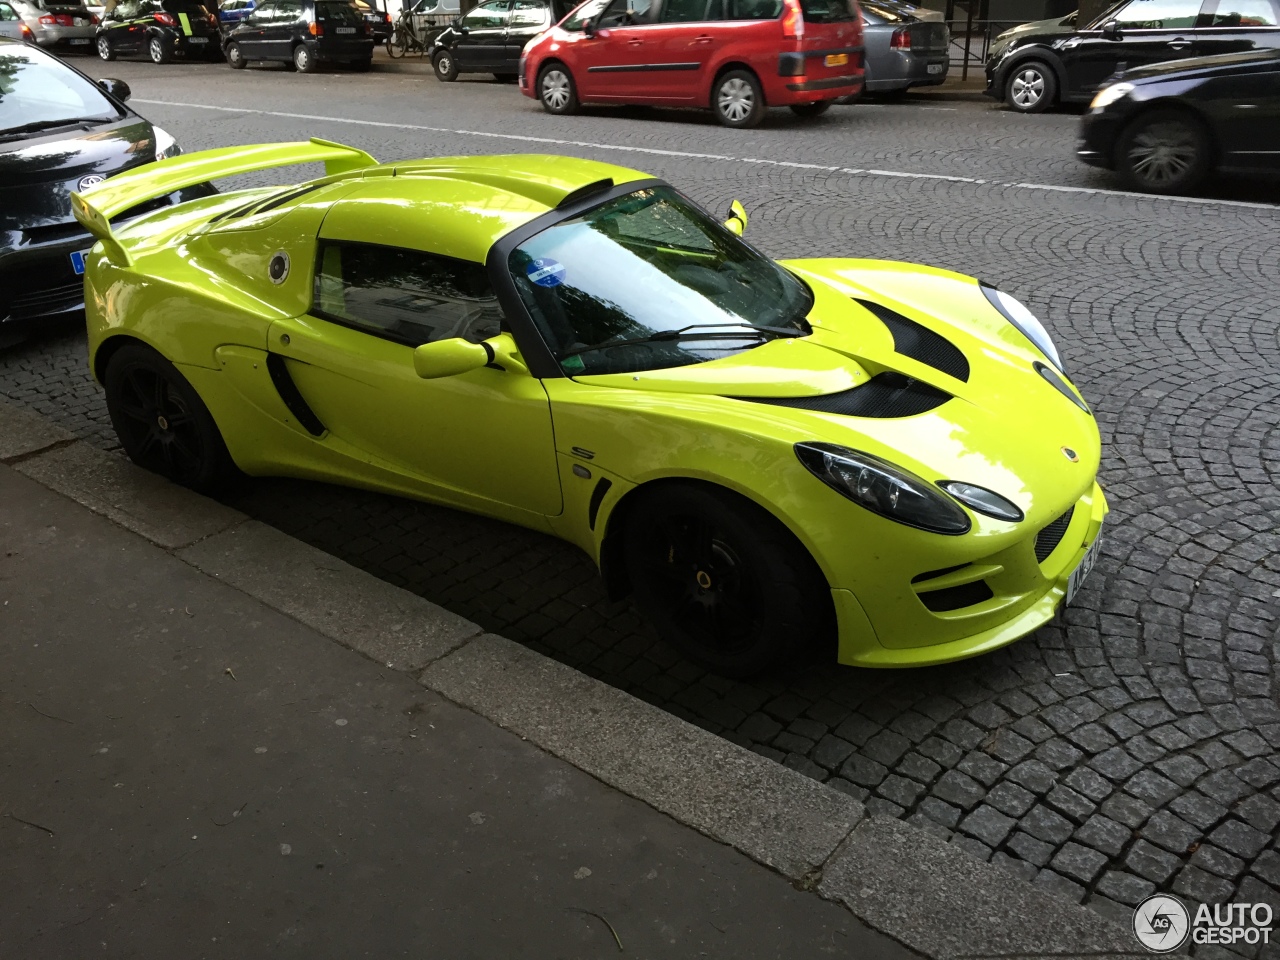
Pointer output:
x,y
92,180
1161,923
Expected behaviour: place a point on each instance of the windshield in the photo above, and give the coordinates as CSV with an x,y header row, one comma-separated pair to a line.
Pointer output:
x,y
650,264
588,11
39,92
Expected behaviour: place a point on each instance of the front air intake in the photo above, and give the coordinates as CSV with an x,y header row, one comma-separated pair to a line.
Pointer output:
x,y
918,342
1049,537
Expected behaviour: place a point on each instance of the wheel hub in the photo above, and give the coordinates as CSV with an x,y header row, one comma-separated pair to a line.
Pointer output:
x,y
704,579
161,422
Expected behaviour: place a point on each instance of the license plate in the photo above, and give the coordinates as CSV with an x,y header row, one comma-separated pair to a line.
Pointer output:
x,y
79,41
197,39
77,261
936,67
346,29
1079,574
835,59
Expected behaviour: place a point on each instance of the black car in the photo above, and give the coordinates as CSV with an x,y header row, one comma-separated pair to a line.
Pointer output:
x,y
160,29
1036,65
59,132
302,32
489,38
1164,128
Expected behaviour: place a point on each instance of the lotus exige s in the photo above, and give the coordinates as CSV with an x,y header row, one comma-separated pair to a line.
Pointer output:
x,y
882,457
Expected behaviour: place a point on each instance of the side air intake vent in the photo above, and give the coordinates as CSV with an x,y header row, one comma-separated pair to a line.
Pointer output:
x,y
1049,537
956,598
884,396
920,343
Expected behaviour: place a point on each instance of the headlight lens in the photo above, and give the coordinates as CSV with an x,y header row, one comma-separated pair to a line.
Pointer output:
x,y
1109,95
166,146
983,500
883,488
1016,312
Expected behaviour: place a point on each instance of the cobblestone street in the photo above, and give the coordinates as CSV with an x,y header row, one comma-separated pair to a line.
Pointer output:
x,y
1131,746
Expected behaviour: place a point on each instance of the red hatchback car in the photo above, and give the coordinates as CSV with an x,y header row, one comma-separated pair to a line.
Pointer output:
x,y
736,57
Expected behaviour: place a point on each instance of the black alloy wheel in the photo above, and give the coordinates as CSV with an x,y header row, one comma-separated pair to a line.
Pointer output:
x,y
811,109
722,580
162,423
235,59
1164,151
1031,87
445,66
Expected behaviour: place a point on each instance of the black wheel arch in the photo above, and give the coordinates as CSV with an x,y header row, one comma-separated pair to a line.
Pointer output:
x,y
109,348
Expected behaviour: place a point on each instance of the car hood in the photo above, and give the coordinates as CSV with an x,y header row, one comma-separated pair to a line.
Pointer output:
x,y
1225,63
38,175
1037,28
1005,426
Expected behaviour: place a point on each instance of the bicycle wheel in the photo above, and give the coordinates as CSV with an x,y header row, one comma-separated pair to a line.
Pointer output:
x,y
397,43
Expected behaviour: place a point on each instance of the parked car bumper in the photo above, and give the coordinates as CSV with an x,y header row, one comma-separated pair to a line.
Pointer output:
x,y
47,36
1099,131
38,281
343,51
903,69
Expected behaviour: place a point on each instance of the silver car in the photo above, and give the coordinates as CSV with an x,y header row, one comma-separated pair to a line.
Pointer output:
x,y
58,24
12,24
902,49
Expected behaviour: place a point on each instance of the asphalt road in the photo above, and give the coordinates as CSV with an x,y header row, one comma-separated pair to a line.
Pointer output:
x,y
1129,747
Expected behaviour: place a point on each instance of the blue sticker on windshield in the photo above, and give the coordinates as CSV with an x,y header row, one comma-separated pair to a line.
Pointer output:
x,y
546,273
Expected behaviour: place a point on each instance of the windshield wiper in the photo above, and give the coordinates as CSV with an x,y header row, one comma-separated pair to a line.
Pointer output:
x,y
746,331
51,124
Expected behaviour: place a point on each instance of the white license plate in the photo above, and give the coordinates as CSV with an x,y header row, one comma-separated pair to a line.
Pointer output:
x,y
346,29
79,41
1079,574
77,261
936,67
197,39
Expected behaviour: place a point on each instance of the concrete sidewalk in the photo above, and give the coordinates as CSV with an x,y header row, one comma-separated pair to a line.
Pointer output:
x,y
186,772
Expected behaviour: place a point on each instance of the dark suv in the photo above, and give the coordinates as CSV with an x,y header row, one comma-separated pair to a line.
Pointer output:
x,y
304,33
490,37
160,29
1036,65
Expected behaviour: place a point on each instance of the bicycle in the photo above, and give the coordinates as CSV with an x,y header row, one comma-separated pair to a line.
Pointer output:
x,y
404,38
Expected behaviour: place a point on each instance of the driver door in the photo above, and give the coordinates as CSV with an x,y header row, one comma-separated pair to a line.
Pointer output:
x,y
252,31
483,37
481,440
1151,31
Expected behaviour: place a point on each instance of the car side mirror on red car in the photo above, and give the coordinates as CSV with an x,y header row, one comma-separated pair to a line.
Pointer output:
x,y
589,29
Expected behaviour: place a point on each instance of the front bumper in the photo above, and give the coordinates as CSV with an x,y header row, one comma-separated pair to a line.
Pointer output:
x,y
1099,130
38,281
1025,594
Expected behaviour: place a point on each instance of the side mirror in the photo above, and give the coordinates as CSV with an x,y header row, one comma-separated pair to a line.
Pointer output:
x,y
589,29
1111,30
736,219
116,88
505,354
448,358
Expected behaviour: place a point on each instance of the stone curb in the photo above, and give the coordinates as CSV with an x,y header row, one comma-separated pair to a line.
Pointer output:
x,y
898,879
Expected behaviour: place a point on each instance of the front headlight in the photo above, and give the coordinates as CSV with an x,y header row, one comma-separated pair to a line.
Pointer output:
x,y
166,146
1109,95
1016,312
883,488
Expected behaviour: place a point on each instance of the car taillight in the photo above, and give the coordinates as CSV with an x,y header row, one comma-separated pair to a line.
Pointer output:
x,y
213,21
792,20
368,29
167,19
315,29
48,21
901,39
93,18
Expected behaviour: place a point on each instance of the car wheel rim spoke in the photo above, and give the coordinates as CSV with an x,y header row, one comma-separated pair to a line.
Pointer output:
x,y
555,90
1162,154
736,99
1028,87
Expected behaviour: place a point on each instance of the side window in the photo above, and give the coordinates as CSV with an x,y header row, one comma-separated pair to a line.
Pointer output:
x,y
1245,13
7,12
287,11
492,14
588,11
690,11
529,13
626,13
261,14
407,296
754,9
1159,15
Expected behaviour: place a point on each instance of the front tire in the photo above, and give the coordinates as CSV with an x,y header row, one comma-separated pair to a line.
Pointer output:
x,y
162,423
235,59
737,100
159,50
723,580
105,50
1032,87
1164,151
809,110
445,66
556,90
303,61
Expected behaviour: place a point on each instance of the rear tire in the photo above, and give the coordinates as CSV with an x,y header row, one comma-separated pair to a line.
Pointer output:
x,y
723,580
303,61
1032,87
737,100
162,423
159,50
445,66
557,91
105,51
235,59
811,109
397,45
1163,151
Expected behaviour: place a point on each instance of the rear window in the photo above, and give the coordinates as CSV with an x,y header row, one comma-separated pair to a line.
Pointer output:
x,y
339,12
752,9
827,11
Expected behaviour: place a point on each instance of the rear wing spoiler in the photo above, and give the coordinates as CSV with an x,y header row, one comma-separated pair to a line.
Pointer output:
x,y
95,207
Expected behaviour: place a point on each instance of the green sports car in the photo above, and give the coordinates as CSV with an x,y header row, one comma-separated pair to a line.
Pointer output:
x,y
879,460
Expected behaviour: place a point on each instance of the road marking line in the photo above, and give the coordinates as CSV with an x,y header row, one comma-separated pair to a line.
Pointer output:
x,y
687,154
